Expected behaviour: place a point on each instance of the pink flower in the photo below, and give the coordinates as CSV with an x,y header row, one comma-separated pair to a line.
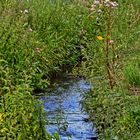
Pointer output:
x,y
113,4
37,50
110,42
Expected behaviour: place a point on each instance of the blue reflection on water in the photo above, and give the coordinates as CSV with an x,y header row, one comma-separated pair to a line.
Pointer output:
x,y
64,111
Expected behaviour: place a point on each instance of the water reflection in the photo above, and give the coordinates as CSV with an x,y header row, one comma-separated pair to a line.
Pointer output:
x,y
64,111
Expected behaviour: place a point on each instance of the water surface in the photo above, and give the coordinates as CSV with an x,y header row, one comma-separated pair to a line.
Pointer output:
x,y
64,111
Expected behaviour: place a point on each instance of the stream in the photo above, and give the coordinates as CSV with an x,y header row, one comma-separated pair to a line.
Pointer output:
x,y
64,111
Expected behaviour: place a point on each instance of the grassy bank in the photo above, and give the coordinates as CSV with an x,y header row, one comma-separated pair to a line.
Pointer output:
x,y
111,64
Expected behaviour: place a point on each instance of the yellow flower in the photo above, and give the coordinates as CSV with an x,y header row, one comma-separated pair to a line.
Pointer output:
x,y
91,17
99,38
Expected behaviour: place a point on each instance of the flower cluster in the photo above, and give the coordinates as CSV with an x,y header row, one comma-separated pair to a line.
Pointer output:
x,y
111,3
25,11
106,3
37,50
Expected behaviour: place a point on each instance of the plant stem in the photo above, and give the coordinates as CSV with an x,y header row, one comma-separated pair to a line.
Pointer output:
x,y
108,65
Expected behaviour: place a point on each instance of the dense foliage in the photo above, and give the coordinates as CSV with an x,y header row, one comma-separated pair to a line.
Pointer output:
x,y
35,41
98,39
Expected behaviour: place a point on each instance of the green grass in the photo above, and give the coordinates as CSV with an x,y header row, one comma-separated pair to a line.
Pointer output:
x,y
132,75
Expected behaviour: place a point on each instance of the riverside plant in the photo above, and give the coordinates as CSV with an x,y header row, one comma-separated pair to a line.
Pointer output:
x,y
105,7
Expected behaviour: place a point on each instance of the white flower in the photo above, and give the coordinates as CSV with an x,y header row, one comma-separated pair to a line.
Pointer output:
x,y
26,11
93,7
99,11
114,4
110,3
106,3
30,29
96,2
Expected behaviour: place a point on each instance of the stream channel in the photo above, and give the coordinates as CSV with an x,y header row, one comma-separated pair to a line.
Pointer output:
x,y
64,110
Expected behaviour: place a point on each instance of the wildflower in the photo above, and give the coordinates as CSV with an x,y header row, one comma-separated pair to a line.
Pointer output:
x,y
99,38
99,11
26,11
30,29
96,2
91,17
114,4
106,3
93,8
97,19
110,3
110,42
37,50
83,31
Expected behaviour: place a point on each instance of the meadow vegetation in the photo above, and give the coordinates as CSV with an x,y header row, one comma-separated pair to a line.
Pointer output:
x,y
99,39
112,66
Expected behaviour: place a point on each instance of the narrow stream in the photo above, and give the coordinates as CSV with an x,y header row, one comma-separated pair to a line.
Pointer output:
x,y
64,111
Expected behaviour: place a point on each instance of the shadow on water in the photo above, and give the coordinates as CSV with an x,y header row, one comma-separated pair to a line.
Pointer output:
x,y
64,111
